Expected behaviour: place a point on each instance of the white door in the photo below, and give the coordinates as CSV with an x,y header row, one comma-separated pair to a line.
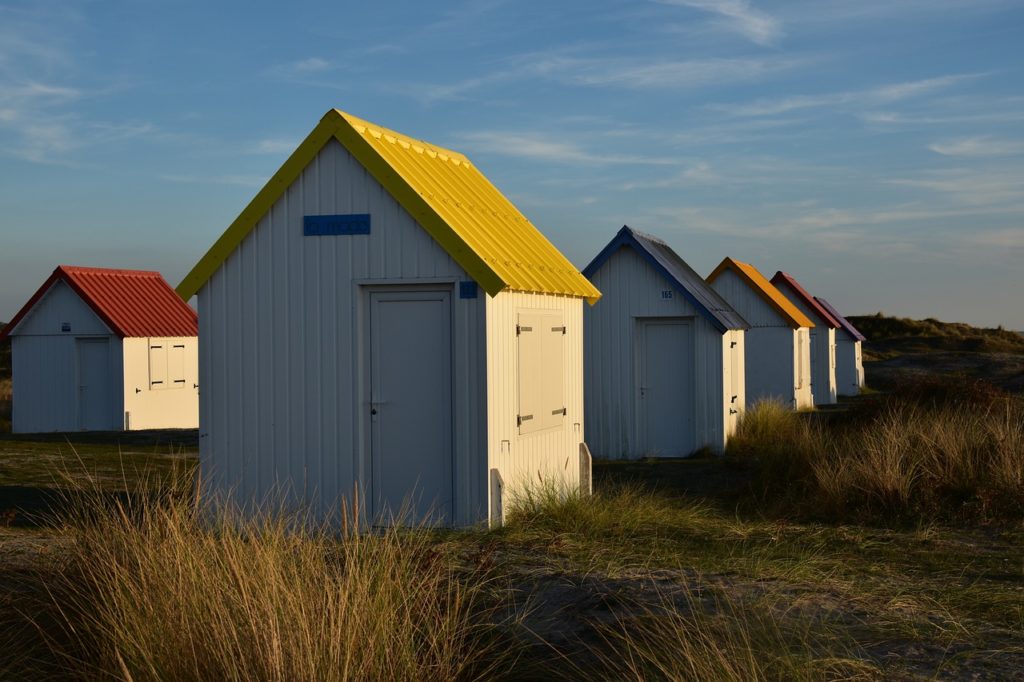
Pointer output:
x,y
666,387
93,384
411,405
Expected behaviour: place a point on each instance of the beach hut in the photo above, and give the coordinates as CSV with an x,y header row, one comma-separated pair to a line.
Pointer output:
x,y
103,350
778,342
823,337
380,319
663,354
849,363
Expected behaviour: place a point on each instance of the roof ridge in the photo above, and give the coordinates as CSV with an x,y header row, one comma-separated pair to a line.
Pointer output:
x,y
417,145
808,298
454,202
108,271
765,289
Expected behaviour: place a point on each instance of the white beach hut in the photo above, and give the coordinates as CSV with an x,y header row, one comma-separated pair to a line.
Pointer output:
x,y
849,363
103,350
663,354
778,342
380,318
823,337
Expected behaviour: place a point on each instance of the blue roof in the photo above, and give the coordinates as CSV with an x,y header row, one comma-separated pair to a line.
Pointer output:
x,y
843,322
683,278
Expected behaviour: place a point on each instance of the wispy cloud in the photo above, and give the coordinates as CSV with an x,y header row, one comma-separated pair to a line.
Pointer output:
x,y
530,145
1008,239
273,145
867,97
301,68
740,16
992,188
624,73
241,180
978,147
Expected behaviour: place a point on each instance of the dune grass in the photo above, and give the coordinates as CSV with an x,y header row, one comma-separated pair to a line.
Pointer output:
x,y
890,334
158,590
940,451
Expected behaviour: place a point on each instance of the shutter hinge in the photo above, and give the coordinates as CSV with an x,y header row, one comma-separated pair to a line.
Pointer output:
x,y
559,329
561,412
523,418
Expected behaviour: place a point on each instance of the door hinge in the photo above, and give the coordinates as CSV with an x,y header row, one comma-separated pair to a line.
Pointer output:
x,y
523,418
559,329
521,329
561,411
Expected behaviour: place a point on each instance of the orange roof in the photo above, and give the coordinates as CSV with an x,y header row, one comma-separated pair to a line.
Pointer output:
x,y
765,289
133,303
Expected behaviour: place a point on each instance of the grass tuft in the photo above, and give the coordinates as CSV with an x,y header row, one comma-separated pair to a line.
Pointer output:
x,y
702,633
155,589
929,452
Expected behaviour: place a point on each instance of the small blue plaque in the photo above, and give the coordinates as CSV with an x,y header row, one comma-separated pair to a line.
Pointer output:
x,y
467,289
327,225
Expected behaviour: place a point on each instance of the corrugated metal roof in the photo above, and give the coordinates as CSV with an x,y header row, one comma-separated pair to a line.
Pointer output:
x,y
673,268
133,303
467,215
765,289
844,323
783,280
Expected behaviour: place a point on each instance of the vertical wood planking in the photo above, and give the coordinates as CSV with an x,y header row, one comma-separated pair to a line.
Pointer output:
x,y
281,401
631,291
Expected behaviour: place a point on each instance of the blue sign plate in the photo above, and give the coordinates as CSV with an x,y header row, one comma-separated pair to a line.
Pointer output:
x,y
326,225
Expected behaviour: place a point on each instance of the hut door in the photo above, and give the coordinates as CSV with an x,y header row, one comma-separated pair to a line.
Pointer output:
x,y
93,384
411,405
666,387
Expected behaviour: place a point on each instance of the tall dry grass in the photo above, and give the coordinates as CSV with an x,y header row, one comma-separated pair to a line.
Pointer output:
x,y
695,634
919,454
156,591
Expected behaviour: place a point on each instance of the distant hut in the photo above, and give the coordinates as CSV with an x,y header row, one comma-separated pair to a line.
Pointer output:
x,y
663,354
849,363
823,337
381,318
103,350
778,342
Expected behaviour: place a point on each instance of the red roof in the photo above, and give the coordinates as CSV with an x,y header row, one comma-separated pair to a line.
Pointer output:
x,y
132,303
781,279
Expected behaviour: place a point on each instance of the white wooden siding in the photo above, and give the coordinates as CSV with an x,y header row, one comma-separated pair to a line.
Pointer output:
x,y
734,380
283,402
551,456
777,356
59,305
171,407
747,302
849,367
631,291
44,364
823,345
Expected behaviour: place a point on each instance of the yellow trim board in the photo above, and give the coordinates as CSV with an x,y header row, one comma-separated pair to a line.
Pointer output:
x,y
476,225
765,289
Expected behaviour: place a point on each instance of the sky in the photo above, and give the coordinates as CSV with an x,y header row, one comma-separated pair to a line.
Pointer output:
x,y
872,148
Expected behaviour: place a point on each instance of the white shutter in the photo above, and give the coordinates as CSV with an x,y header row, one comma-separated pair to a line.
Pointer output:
x,y
529,369
541,371
176,366
157,364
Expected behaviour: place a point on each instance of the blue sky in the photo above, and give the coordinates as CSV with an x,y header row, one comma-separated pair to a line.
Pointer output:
x,y
874,149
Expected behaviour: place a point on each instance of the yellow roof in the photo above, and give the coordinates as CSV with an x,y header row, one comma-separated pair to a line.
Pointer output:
x,y
467,215
765,289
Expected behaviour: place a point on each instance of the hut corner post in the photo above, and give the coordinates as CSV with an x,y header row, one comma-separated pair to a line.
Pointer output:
x,y
586,464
